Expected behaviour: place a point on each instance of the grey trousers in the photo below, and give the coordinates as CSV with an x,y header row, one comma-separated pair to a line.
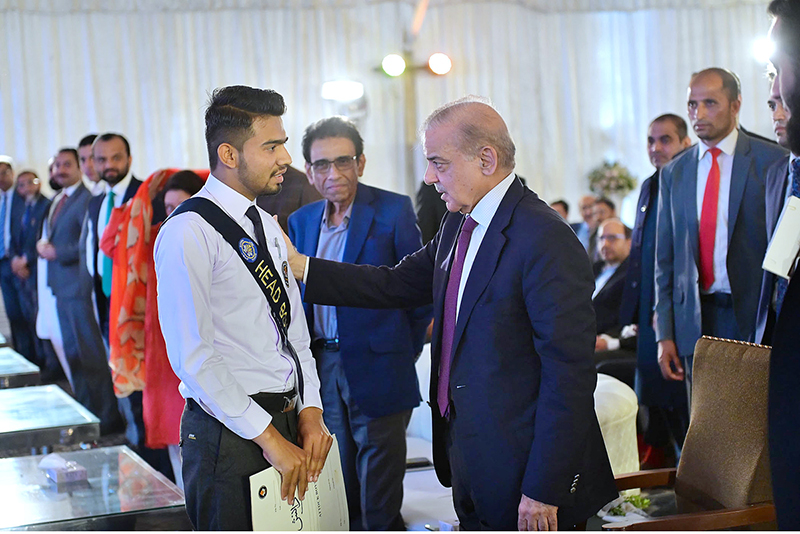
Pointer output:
x,y
373,450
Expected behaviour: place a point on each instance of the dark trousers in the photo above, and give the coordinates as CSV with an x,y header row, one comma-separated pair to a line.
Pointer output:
x,y
22,334
217,465
480,505
372,449
88,361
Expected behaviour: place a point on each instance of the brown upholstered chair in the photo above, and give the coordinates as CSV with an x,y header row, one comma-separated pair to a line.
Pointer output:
x,y
723,478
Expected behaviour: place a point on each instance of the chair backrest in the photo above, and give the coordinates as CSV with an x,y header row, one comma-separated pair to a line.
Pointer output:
x,y
725,458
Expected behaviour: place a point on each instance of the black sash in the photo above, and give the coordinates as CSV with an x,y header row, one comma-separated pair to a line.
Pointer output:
x,y
258,262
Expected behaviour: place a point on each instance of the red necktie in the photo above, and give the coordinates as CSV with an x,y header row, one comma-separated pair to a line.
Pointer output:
x,y
708,223
449,315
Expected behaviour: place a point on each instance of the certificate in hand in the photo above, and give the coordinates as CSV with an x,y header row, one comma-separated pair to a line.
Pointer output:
x,y
324,507
782,250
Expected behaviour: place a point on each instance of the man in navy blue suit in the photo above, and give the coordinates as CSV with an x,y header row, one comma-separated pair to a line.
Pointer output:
x,y
11,207
784,377
664,400
514,428
365,357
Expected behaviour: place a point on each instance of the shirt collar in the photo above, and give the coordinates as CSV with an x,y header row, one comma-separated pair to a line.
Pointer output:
x,y
484,210
727,145
120,187
327,212
71,189
231,201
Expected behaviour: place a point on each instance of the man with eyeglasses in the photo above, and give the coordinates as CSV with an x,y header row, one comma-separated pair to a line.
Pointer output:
x,y
614,244
365,357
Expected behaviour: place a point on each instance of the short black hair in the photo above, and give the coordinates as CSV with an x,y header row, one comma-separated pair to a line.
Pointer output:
x,y
230,114
87,140
110,136
787,40
607,201
331,127
730,82
70,150
678,122
185,180
563,204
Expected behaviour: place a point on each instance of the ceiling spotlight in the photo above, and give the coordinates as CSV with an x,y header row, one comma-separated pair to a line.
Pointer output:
x,y
393,65
763,49
439,63
342,91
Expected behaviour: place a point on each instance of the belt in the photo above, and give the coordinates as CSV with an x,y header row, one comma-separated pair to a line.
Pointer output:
x,y
326,345
271,402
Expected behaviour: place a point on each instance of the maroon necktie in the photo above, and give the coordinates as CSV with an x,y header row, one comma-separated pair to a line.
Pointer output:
x,y
708,222
58,208
449,318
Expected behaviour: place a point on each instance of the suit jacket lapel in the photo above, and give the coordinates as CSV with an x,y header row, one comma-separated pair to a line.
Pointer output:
x,y
739,174
311,231
360,221
133,186
775,192
689,196
486,260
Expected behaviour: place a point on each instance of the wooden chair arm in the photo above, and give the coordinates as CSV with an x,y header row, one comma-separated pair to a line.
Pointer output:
x,y
646,479
711,520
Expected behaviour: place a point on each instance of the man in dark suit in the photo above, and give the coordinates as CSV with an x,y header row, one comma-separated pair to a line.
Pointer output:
x,y
11,207
296,191
664,401
711,235
609,281
111,155
71,285
23,263
784,377
603,208
514,427
365,357
778,190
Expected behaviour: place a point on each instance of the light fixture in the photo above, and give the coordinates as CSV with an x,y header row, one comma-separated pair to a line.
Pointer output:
x,y
342,90
393,65
440,63
763,49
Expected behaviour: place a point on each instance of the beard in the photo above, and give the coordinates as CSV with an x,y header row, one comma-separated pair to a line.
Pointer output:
x,y
113,177
245,177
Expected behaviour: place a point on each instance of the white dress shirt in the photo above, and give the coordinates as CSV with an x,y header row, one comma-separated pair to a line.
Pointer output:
x,y
120,188
483,213
725,161
221,339
7,197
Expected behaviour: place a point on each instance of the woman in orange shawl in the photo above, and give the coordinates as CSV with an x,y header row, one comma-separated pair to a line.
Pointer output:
x,y
137,352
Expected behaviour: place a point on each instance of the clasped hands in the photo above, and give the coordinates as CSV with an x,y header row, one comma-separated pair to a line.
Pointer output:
x,y
298,466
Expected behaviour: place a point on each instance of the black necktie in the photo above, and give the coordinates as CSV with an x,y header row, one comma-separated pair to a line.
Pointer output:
x,y
255,218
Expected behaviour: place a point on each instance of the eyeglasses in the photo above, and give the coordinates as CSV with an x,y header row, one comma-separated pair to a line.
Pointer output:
x,y
611,237
343,163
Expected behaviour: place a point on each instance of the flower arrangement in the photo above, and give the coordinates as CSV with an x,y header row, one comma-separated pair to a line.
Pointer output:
x,y
611,179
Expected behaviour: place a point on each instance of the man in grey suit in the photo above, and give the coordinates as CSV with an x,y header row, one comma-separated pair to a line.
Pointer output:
x,y
711,234
83,344
778,190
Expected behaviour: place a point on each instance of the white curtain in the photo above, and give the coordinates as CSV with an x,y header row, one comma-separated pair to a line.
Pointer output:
x,y
578,81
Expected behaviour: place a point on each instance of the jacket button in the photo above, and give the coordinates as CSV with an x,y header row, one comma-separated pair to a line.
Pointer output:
x,y
644,209
572,489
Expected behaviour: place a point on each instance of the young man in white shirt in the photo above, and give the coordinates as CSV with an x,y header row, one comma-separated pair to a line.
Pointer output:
x,y
240,378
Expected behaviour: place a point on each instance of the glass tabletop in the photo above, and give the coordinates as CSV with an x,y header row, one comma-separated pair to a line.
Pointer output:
x,y
119,482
